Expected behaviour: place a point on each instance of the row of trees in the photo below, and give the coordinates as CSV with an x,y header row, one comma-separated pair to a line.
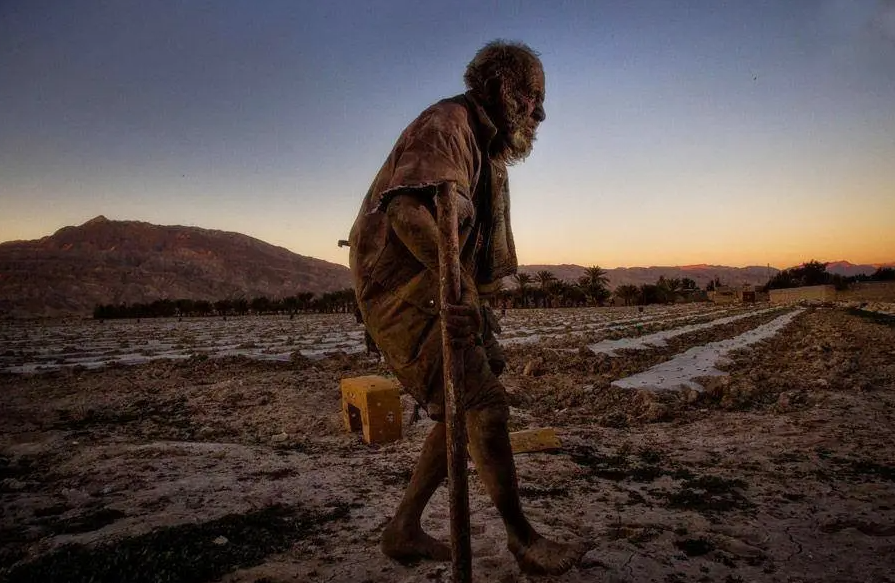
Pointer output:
x,y
331,302
664,291
815,273
541,290
544,290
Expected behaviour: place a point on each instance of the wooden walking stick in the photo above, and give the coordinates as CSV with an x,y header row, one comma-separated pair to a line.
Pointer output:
x,y
454,415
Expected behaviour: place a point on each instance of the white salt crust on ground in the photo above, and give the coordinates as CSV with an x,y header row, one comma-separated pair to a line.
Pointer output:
x,y
573,327
609,347
701,361
28,347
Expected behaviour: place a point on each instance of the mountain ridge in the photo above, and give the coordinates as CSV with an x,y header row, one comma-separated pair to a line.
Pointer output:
x,y
103,261
106,261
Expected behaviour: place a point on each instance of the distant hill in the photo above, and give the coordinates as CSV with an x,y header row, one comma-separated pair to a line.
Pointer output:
x,y
850,269
105,261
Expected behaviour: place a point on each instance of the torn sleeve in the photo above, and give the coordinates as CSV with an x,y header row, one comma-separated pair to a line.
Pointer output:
x,y
430,156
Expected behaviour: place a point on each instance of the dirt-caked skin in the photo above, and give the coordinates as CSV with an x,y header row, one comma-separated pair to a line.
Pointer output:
x,y
467,140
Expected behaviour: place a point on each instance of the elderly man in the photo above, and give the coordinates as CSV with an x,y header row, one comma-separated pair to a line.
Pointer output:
x,y
467,140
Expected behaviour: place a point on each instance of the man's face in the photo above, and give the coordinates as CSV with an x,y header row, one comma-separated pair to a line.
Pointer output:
x,y
523,111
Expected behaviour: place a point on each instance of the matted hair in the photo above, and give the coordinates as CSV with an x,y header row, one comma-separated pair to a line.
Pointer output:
x,y
500,59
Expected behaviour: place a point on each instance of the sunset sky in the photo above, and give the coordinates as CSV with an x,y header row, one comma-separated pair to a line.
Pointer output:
x,y
741,132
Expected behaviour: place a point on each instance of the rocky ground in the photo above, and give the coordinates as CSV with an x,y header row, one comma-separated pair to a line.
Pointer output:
x,y
239,470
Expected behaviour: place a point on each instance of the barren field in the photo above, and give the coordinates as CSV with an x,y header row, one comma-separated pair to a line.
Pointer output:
x,y
700,443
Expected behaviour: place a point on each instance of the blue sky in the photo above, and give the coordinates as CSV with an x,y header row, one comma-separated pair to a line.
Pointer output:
x,y
738,133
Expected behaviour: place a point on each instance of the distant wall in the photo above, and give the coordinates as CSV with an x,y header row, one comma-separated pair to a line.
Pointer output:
x,y
722,297
737,295
821,293
870,291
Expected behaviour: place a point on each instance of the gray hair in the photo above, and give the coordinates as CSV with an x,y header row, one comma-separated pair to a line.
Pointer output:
x,y
500,59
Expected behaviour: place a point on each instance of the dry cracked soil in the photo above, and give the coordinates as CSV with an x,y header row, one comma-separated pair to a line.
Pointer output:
x,y
240,471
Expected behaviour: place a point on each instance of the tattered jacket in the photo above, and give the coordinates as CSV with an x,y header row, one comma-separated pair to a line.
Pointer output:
x,y
447,142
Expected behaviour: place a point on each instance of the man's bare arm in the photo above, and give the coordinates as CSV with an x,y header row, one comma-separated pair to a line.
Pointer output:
x,y
415,226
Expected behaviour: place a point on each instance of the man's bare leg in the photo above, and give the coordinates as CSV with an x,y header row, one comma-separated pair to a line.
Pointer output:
x,y
403,538
489,442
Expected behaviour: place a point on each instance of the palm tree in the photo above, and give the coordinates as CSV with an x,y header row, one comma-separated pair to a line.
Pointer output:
x,y
559,293
522,281
627,293
305,299
594,283
883,274
203,307
260,305
223,307
185,307
649,294
546,279
347,301
241,306
597,275
290,305
670,288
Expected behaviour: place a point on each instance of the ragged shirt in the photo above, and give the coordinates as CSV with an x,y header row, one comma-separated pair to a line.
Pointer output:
x,y
447,142
398,295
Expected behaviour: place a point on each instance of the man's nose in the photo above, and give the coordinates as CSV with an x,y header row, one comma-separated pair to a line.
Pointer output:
x,y
539,114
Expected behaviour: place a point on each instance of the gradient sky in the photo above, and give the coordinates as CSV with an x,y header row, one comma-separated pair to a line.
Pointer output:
x,y
738,132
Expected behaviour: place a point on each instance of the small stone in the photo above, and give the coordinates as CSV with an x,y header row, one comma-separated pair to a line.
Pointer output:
x,y
280,437
783,403
221,540
591,559
108,489
533,367
656,412
737,547
716,386
206,431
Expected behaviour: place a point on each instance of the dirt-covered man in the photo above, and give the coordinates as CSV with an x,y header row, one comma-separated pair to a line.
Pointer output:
x,y
467,140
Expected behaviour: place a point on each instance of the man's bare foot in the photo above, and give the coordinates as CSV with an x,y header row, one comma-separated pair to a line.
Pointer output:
x,y
546,557
404,545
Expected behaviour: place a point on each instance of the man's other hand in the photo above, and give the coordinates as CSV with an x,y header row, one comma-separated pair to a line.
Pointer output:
x,y
463,322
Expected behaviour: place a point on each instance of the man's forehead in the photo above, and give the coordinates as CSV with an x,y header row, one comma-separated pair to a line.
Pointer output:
x,y
536,79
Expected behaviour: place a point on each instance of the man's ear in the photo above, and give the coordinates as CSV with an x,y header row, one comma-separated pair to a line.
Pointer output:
x,y
494,90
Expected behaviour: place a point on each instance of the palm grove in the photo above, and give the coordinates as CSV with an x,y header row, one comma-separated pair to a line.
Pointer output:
x,y
539,290
544,290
